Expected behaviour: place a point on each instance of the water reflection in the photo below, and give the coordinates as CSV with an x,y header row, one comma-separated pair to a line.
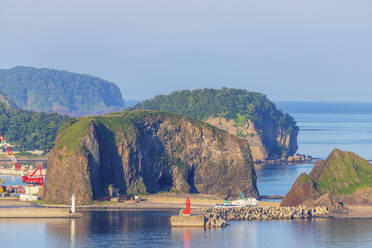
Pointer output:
x,y
187,237
72,233
152,229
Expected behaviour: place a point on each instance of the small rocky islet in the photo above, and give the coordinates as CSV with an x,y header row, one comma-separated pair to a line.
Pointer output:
x,y
333,187
343,179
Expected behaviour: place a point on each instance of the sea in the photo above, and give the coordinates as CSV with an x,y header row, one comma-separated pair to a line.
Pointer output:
x,y
324,126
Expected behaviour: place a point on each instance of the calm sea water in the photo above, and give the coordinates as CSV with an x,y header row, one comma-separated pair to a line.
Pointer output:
x,y
152,229
323,127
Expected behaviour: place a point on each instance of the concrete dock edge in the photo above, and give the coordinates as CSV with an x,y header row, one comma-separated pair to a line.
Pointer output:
x,y
37,213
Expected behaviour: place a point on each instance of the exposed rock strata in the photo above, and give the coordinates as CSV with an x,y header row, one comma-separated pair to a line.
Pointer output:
x,y
272,143
143,151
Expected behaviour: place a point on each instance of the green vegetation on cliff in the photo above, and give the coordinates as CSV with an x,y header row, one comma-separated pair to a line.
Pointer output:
x,y
29,130
48,90
343,173
123,122
343,177
236,104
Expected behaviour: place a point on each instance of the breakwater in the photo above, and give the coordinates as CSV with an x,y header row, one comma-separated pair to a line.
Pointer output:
x,y
37,212
219,216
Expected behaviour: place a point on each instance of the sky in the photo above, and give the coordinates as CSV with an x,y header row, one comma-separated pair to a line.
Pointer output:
x,y
290,50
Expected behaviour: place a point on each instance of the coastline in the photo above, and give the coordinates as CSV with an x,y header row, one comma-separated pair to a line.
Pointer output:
x,y
161,202
12,172
24,159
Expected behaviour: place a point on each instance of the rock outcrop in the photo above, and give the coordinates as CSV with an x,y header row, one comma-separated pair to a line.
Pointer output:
x,y
246,131
147,151
342,179
271,133
273,143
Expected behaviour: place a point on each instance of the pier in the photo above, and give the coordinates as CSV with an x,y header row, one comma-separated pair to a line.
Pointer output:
x,y
35,212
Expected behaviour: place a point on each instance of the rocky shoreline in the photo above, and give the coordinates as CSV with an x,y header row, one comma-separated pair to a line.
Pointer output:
x,y
218,217
297,158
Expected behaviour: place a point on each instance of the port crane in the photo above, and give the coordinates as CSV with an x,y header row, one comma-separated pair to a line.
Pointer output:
x,y
31,178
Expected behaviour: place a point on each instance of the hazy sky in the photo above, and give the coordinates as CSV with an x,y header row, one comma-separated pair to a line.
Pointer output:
x,y
288,49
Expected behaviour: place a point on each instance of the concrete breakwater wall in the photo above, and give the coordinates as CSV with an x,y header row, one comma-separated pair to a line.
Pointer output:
x,y
36,212
221,215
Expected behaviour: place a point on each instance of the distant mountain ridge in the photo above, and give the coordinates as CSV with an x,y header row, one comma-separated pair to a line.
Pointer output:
x,y
63,92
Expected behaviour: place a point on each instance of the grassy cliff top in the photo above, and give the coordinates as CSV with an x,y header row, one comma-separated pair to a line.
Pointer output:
x,y
125,122
342,173
236,104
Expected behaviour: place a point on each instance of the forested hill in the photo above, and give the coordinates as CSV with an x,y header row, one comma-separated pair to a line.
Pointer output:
x,y
63,92
7,101
29,130
272,134
235,104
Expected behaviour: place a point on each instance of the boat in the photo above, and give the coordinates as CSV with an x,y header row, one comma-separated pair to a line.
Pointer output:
x,y
243,202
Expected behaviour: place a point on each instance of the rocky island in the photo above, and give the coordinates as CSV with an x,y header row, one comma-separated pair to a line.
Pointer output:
x,y
342,183
271,133
146,151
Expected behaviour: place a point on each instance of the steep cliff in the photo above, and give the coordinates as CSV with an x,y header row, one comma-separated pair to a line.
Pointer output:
x,y
271,133
146,151
342,179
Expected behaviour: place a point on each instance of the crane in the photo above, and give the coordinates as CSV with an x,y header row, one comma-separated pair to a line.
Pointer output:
x,y
31,178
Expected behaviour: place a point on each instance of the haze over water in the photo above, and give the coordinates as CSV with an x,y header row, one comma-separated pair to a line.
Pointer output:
x,y
323,127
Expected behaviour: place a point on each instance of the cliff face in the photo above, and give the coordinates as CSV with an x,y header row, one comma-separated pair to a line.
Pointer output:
x,y
246,131
272,143
342,179
147,152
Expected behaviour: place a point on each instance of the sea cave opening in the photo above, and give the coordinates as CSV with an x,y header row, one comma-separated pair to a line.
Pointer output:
x,y
165,182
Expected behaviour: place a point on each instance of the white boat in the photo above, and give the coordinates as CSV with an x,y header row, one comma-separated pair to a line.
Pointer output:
x,y
247,202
